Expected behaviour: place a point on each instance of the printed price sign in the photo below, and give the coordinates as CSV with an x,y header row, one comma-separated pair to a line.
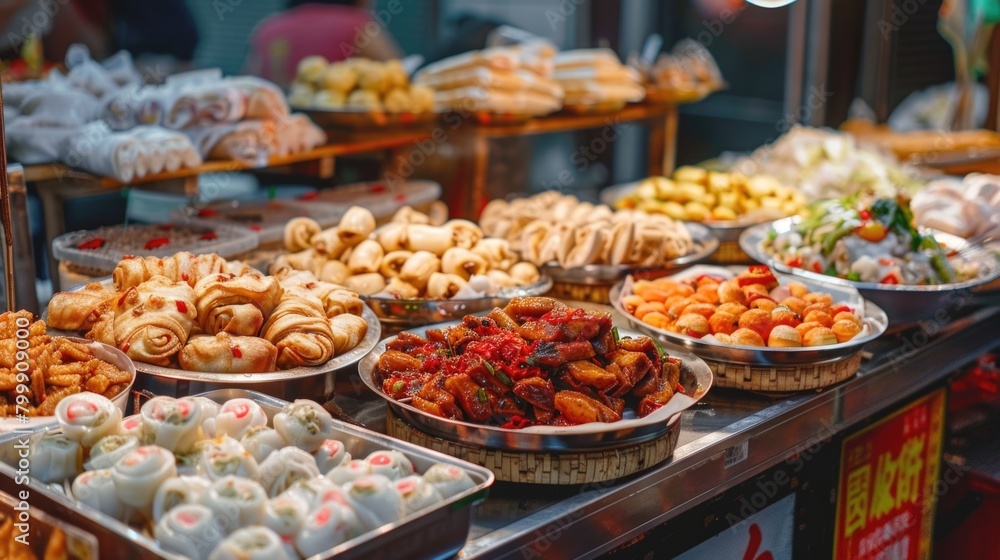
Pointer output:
x,y
888,471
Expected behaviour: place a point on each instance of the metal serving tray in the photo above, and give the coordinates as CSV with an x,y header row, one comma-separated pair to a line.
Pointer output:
x,y
696,378
874,319
288,383
905,303
705,243
422,311
436,532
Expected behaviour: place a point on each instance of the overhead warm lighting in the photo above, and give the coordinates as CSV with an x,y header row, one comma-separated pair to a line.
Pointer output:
x,y
770,3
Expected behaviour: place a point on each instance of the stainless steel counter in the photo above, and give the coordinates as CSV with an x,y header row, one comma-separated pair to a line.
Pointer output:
x,y
727,439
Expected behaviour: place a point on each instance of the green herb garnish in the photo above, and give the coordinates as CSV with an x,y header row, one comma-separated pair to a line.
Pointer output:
x,y
615,335
854,276
398,386
481,396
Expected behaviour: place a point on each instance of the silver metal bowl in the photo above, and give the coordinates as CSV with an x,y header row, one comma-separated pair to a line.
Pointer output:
x,y
723,230
705,243
696,378
417,312
288,384
904,303
874,319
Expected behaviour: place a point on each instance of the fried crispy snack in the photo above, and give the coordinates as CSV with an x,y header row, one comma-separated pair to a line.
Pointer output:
x,y
57,367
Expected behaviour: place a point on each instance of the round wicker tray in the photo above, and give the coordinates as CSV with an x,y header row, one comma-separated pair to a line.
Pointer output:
x,y
528,467
783,379
729,252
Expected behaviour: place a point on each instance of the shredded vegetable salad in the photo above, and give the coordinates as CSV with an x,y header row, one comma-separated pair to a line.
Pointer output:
x,y
874,242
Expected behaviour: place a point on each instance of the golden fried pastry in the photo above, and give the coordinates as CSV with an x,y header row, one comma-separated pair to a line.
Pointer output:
x,y
79,310
154,319
348,330
222,290
224,353
300,330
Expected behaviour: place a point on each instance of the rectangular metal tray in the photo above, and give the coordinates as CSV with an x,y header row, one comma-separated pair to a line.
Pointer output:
x,y
437,533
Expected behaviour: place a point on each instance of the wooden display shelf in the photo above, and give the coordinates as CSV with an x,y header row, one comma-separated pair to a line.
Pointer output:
x,y
58,183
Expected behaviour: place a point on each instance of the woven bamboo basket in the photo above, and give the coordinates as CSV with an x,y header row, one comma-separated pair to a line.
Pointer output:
x,y
591,293
783,379
529,467
729,252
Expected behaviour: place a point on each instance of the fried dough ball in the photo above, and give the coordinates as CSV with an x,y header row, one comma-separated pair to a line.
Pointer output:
x,y
732,308
820,336
730,292
796,304
693,324
758,321
767,304
704,309
783,336
746,337
846,329
804,328
723,323
821,317
783,315
846,316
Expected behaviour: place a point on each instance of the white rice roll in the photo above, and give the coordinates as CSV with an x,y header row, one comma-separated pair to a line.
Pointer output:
x,y
349,471
96,489
230,459
53,458
448,479
209,410
109,450
331,454
375,500
251,543
178,491
389,463
140,473
189,530
286,515
237,416
416,493
329,525
132,425
87,417
173,424
304,424
285,467
308,490
261,441
236,502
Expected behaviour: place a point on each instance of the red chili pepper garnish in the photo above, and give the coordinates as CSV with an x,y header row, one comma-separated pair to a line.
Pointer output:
x,y
126,346
209,235
840,309
817,267
758,274
890,278
680,389
794,262
182,307
157,242
865,215
121,300
379,188
95,243
255,227
185,276
236,352
208,212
